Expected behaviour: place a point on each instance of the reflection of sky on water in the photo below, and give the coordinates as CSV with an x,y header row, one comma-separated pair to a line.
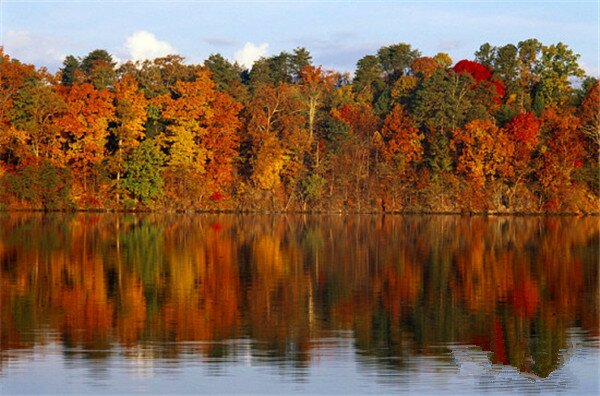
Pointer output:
x,y
335,367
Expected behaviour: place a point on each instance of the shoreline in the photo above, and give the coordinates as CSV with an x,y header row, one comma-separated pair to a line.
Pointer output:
x,y
311,212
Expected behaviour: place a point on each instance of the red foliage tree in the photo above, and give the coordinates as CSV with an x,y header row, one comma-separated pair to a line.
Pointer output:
x,y
359,118
524,131
480,73
477,70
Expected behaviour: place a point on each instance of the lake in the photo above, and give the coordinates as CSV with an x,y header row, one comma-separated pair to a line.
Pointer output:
x,y
134,303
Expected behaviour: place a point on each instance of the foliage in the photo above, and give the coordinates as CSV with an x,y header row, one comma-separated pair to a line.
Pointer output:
x,y
482,151
84,127
403,139
41,185
143,178
505,131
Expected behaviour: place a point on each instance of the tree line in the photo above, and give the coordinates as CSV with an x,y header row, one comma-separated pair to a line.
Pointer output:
x,y
515,129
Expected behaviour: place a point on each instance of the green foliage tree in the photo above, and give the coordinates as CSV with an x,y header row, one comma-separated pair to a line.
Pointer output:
x,y
443,103
300,59
226,75
143,178
504,62
529,53
557,65
34,113
368,80
396,60
281,68
99,68
42,185
486,54
71,71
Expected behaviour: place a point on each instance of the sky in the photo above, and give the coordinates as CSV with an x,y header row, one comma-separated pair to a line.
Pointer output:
x,y
337,33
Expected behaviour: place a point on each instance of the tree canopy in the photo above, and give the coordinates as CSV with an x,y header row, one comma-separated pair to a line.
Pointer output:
x,y
514,129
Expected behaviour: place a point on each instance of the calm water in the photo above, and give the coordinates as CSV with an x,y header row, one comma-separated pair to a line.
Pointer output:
x,y
286,304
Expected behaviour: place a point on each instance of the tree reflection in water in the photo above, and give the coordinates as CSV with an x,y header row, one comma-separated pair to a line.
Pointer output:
x,y
160,286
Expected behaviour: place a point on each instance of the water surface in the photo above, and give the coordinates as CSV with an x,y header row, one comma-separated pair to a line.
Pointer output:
x,y
101,303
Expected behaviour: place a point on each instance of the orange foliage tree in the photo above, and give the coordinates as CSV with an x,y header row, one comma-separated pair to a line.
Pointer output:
x,y
563,153
201,137
278,138
352,164
425,66
12,77
84,128
483,153
403,139
590,116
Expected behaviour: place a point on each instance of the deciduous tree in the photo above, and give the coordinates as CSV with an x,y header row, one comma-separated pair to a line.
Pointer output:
x,y
482,151
84,126
403,139
129,124
34,112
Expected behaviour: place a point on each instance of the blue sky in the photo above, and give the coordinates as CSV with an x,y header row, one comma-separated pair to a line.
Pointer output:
x,y
337,33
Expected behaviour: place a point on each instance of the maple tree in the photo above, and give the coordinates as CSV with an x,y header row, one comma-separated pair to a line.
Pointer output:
x,y
403,139
480,73
13,75
482,151
563,153
222,142
523,132
84,125
352,165
201,130
425,66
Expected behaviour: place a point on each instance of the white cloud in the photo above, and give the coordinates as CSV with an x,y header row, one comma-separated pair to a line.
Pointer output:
x,y
33,48
144,45
250,53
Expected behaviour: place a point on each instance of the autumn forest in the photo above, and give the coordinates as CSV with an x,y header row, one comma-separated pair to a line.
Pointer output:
x,y
514,130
